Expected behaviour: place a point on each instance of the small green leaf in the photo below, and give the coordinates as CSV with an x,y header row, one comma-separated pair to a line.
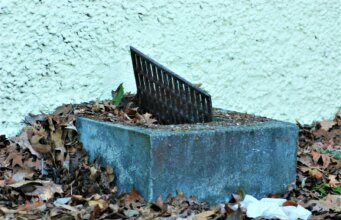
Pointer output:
x,y
241,193
337,189
334,153
322,191
118,94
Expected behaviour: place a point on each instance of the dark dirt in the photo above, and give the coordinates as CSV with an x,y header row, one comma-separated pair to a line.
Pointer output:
x,y
102,111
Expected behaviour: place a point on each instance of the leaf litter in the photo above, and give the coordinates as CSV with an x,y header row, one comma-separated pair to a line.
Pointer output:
x,y
46,174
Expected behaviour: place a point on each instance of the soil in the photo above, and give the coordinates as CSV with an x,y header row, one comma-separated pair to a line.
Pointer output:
x,y
99,110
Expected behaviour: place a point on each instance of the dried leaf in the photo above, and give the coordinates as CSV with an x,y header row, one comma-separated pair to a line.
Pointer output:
x,y
11,211
26,186
235,215
22,175
326,160
316,156
31,163
289,203
62,110
46,191
30,206
15,159
41,148
315,173
333,182
159,202
330,202
56,137
305,159
32,119
102,204
148,120
132,196
70,208
204,215
23,141
326,125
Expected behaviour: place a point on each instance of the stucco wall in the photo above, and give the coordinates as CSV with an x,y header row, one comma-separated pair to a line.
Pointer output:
x,y
280,59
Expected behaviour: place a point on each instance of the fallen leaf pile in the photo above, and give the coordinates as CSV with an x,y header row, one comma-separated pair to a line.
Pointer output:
x,y
46,174
318,184
126,112
46,162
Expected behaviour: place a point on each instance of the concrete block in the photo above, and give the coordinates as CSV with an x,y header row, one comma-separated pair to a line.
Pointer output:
x,y
210,162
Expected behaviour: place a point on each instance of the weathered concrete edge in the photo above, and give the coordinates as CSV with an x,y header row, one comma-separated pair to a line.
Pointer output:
x,y
290,129
86,123
200,127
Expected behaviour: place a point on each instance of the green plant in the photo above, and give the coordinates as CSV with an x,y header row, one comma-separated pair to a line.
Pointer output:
x,y
118,95
324,188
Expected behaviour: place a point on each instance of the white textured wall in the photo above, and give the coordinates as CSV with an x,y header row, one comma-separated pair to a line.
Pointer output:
x,y
280,59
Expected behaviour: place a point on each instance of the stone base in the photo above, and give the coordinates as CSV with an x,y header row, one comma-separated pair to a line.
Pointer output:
x,y
210,162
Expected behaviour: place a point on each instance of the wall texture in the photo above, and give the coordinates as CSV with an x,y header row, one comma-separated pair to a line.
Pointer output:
x,y
280,59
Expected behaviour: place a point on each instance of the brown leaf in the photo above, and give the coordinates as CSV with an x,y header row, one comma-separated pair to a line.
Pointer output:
x,y
330,202
235,215
22,175
180,196
316,173
316,156
56,137
37,146
145,119
289,203
109,169
31,163
326,160
305,159
46,191
326,125
132,196
51,125
35,205
159,202
101,203
63,110
68,207
148,120
23,141
333,182
273,195
93,173
26,186
15,158
32,119
58,143
204,215
11,211
6,182
77,198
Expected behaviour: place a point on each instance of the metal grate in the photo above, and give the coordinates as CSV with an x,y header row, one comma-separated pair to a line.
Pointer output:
x,y
169,97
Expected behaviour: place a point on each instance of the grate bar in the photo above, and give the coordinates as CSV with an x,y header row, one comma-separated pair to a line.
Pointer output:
x,y
168,96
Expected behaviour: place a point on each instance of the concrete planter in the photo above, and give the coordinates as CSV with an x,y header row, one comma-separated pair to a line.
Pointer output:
x,y
210,162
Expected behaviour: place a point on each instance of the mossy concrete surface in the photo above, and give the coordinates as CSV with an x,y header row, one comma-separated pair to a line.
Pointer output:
x,y
210,162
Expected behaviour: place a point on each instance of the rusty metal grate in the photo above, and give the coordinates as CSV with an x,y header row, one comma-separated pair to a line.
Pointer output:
x,y
169,97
